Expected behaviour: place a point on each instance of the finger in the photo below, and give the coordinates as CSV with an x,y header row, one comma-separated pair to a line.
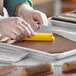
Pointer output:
x,y
11,41
26,30
16,37
44,17
38,18
18,30
28,27
18,33
21,28
41,18
12,35
5,40
1,36
34,24
22,35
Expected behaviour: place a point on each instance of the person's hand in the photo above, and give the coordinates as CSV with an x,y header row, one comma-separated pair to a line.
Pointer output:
x,y
15,28
31,15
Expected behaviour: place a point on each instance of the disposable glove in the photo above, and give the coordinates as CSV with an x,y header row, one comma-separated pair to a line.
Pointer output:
x,y
31,15
15,28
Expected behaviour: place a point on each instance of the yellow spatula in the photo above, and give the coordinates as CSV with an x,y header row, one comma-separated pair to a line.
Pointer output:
x,y
41,37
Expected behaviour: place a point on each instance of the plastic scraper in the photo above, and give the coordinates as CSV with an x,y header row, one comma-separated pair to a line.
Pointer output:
x,y
41,37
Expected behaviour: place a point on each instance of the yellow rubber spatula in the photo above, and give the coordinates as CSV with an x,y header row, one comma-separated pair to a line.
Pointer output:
x,y
41,37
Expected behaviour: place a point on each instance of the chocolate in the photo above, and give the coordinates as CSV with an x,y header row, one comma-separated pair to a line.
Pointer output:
x,y
69,67
7,70
37,70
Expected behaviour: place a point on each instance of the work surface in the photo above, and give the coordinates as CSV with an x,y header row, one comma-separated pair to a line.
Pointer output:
x,y
59,45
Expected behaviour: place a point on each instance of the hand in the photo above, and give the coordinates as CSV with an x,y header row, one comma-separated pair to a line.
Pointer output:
x,y
30,16
15,28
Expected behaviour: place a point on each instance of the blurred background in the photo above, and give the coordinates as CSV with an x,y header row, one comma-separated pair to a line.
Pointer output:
x,y
54,7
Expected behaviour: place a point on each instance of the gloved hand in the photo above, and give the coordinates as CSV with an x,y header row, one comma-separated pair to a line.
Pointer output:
x,y
15,28
31,15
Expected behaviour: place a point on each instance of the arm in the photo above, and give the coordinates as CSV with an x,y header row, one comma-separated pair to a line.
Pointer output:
x,y
11,5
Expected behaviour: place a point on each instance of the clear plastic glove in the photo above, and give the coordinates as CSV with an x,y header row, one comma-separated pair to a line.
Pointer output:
x,y
32,16
15,28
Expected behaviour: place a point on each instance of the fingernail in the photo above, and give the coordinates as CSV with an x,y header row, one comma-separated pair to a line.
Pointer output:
x,y
33,34
28,36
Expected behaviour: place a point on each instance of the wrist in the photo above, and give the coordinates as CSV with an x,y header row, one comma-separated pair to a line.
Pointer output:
x,y
19,10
